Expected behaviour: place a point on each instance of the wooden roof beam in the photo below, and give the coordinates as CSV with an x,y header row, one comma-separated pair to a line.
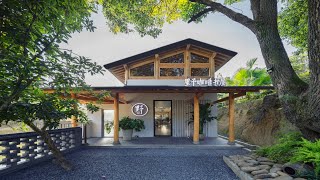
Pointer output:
x,y
227,98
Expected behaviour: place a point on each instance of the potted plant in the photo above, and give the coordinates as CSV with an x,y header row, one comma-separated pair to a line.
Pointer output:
x,y
128,124
204,117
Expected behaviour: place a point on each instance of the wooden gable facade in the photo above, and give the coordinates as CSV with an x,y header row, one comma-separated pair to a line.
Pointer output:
x,y
180,60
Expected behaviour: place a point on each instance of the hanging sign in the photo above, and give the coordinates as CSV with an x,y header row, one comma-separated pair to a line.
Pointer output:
x,y
219,81
139,109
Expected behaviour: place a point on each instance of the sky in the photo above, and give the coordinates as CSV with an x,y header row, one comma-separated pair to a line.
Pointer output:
x,y
102,46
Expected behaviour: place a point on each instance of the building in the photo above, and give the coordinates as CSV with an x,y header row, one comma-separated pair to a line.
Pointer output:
x,y
163,87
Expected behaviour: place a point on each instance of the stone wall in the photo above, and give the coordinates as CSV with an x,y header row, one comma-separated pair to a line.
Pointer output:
x,y
257,122
21,150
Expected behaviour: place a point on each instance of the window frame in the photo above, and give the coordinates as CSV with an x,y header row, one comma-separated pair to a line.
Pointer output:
x,y
141,64
172,65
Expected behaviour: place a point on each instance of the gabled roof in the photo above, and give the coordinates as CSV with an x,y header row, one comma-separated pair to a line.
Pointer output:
x,y
171,47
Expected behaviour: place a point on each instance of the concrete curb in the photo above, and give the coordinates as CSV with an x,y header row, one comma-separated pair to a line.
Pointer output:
x,y
152,146
242,175
246,145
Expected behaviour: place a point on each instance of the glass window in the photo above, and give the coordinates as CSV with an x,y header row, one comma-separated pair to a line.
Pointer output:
x,y
178,58
144,70
198,59
199,71
171,71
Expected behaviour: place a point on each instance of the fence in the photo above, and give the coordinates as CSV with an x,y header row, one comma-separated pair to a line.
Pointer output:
x,y
21,150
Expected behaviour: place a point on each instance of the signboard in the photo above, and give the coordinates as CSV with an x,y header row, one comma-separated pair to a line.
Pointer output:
x,y
139,109
219,81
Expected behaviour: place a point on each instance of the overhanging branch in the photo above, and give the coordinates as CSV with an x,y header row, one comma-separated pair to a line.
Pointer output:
x,y
196,16
235,16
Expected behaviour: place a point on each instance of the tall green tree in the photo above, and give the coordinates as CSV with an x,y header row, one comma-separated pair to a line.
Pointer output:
x,y
31,59
301,101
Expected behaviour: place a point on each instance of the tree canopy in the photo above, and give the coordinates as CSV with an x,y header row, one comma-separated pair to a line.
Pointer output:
x,y
32,59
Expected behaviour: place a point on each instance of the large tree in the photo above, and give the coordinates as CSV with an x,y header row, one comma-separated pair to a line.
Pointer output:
x,y
31,59
300,101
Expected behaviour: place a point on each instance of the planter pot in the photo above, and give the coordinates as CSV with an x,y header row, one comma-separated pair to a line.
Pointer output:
x,y
127,134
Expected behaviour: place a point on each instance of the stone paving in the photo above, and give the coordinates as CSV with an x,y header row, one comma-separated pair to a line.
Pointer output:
x,y
162,141
137,163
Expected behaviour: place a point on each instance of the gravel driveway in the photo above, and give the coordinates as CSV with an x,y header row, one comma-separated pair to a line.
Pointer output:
x,y
132,163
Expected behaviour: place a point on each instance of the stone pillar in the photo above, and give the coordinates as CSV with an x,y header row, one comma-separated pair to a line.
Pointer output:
x,y
196,121
116,119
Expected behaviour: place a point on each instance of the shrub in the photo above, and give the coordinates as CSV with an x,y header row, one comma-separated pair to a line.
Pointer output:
x,y
129,123
308,152
284,149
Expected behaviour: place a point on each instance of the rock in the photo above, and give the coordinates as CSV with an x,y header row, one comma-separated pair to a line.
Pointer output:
x,y
282,173
274,170
284,178
262,171
264,159
245,158
254,162
278,165
274,175
244,164
264,167
262,176
249,169
267,163
299,179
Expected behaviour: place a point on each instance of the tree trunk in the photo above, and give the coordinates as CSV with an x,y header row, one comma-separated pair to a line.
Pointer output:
x,y
56,152
292,91
314,64
52,147
300,102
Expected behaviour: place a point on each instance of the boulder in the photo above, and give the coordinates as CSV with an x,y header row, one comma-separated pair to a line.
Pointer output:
x,y
284,178
274,170
274,175
262,176
249,169
267,163
264,167
262,171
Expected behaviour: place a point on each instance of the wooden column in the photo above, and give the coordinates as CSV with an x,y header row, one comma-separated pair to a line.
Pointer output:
x,y
116,119
196,121
74,118
231,119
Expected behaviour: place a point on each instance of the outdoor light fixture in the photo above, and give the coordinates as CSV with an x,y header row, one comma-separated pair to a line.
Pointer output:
x,y
269,70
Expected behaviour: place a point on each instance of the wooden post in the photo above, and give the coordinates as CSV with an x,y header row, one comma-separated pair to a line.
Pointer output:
x,y
231,119
74,118
196,121
116,119
156,66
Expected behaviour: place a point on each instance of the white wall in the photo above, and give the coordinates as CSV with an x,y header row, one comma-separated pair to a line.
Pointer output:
x,y
148,98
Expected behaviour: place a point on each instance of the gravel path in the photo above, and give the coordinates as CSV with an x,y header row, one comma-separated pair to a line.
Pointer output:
x,y
123,163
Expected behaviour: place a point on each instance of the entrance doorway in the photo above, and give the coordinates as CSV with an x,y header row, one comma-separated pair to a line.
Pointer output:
x,y
162,117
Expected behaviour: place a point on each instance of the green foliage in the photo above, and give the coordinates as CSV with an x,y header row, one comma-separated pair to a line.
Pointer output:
x,y
293,23
299,62
147,17
31,59
108,127
284,149
308,152
129,123
250,76
204,115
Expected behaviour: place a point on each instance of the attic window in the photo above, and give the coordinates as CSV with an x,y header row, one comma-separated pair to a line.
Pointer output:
x,y
198,59
143,70
178,58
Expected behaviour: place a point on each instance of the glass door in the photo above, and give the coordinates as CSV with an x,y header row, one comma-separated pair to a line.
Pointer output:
x,y
162,118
